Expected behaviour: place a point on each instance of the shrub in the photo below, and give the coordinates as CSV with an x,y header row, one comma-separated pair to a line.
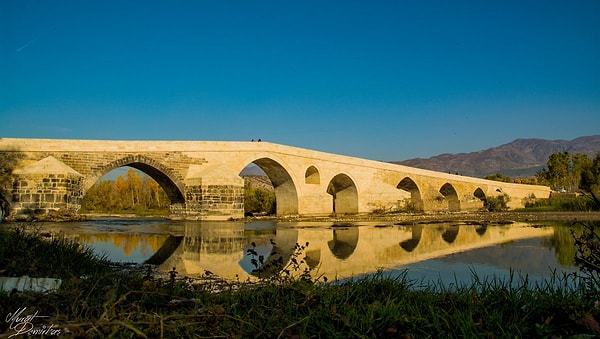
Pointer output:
x,y
498,203
587,255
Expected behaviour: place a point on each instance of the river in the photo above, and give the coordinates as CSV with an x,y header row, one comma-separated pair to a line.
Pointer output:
x,y
447,252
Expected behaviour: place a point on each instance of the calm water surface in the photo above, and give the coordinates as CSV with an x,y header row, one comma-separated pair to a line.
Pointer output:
x,y
439,252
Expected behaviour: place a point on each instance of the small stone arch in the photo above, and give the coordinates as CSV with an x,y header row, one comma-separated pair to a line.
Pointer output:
x,y
344,193
407,184
169,181
479,194
286,194
311,176
451,196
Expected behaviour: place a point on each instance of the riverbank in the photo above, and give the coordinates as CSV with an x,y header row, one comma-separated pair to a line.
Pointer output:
x,y
401,217
441,217
97,299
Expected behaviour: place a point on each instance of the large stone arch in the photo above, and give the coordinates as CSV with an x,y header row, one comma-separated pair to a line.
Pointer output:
x,y
286,194
170,182
345,194
416,200
449,192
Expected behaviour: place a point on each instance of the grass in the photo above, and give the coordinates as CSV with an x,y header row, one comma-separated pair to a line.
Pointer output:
x,y
577,204
98,299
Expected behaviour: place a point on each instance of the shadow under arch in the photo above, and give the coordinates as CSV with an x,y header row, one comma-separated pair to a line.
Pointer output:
x,y
345,195
479,194
409,245
451,196
286,195
344,242
407,184
481,230
165,177
450,233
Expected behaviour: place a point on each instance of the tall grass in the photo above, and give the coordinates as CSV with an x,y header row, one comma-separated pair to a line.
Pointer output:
x,y
577,204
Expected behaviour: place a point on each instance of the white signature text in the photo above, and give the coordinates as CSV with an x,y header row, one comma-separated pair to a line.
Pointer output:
x,y
24,324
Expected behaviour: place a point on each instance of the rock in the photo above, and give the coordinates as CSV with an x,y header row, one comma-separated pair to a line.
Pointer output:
x,y
26,283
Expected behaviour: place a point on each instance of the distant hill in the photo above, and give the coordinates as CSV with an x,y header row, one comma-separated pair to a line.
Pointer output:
x,y
520,158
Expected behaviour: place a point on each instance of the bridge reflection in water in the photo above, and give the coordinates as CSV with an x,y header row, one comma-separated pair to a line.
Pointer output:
x,y
334,251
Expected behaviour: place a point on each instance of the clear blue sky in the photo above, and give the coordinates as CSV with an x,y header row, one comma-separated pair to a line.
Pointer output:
x,y
383,80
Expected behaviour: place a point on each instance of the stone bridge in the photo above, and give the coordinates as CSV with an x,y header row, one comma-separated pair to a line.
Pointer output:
x,y
202,179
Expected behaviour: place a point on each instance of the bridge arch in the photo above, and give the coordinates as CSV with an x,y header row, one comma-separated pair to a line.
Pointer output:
x,y
165,177
344,193
311,176
407,184
479,194
449,192
286,194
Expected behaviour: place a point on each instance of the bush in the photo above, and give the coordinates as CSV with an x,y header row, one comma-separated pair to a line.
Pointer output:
x,y
258,200
498,203
587,256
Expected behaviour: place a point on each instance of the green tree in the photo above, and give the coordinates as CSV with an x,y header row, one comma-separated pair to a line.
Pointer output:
x,y
559,170
565,171
579,163
590,178
257,200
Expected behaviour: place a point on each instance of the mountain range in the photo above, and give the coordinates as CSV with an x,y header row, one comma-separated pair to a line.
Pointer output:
x,y
519,158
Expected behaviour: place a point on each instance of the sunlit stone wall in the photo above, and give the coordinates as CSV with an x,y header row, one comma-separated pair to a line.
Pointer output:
x,y
36,194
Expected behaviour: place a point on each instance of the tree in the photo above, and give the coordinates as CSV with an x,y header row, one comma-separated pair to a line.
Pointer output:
x,y
579,163
590,178
257,200
565,171
559,170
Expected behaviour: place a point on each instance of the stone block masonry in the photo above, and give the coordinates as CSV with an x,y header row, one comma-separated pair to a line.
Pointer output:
x,y
214,202
34,195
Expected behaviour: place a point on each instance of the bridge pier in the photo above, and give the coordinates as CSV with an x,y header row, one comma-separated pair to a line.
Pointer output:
x,y
43,188
212,193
